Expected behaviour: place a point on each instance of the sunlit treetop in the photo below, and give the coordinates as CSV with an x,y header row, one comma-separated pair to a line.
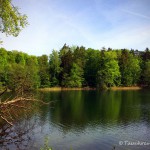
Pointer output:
x,y
11,20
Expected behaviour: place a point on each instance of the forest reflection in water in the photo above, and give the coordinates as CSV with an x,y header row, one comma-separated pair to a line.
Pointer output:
x,y
82,120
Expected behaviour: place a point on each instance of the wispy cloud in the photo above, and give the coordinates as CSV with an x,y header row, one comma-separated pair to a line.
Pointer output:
x,y
136,14
92,24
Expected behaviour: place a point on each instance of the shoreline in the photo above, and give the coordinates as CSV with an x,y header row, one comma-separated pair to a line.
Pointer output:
x,y
126,88
89,89
66,89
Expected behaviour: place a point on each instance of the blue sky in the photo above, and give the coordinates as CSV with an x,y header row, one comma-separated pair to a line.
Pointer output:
x,y
91,23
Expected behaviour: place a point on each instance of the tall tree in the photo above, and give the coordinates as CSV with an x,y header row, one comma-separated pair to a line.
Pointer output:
x,y
146,55
146,73
44,71
17,77
129,68
108,74
79,56
91,67
54,62
32,69
66,57
23,77
75,77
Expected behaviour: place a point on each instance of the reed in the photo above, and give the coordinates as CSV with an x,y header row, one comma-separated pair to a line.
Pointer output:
x,y
126,88
65,89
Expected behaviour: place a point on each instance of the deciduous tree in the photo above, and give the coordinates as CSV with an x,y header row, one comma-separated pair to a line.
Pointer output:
x,y
11,20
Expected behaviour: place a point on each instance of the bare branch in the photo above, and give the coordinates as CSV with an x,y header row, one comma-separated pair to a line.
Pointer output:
x,y
6,120
22,99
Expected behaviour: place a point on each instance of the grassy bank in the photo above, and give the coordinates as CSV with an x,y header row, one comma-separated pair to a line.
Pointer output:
x,y
85,88
65,89
126,88
88,88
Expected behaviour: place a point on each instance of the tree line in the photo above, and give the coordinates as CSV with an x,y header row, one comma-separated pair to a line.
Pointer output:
x,y
75,67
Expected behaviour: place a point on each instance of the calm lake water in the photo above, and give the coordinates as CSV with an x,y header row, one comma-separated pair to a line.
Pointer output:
x,y
84,120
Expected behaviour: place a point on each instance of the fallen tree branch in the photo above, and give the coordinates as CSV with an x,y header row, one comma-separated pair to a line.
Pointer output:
x,y
22,99
12,108
6,121
19,106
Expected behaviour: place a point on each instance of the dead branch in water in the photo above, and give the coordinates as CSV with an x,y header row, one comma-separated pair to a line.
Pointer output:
x,y
18,99
10,108
6,120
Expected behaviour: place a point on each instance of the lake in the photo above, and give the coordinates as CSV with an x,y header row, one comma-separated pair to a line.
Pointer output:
x,y
83,120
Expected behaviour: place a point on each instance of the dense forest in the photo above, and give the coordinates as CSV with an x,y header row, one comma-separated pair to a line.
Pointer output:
x,y
75,67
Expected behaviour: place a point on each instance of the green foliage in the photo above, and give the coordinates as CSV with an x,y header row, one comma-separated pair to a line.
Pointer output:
x,y
109,74
92,64
79,56
20,77
72,64
147,73
146,55
66,57
32,71
16,76
44,71
55,68
74,67
12,21
129,68
18,70
3,66
19,58
75,78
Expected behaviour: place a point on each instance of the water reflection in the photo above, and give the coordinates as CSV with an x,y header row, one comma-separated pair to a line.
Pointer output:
x,y
17,136
87,120
82,108
105,116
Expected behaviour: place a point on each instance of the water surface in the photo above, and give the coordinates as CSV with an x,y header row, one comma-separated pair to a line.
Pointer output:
x,y
84,120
